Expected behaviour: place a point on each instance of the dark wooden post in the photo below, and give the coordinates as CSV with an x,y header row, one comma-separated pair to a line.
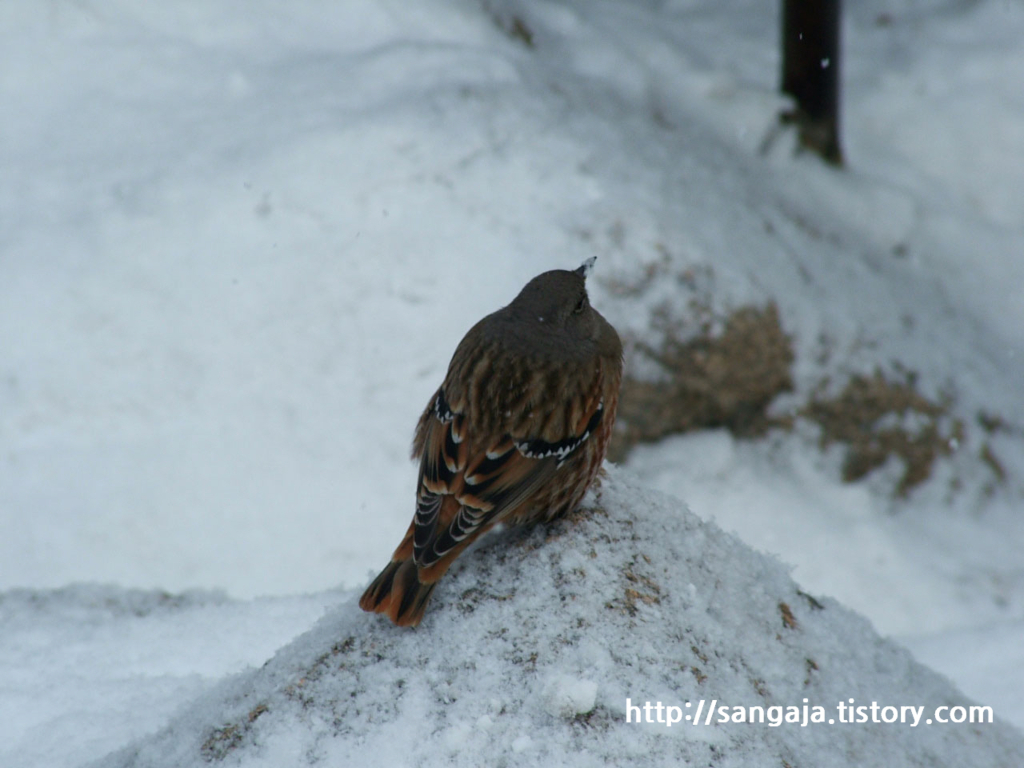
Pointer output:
x,y
810,73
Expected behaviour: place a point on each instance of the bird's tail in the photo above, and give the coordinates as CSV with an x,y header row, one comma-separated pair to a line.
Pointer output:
x,y
398,593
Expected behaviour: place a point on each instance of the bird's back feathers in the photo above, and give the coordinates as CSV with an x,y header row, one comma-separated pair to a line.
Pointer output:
x,y
516,433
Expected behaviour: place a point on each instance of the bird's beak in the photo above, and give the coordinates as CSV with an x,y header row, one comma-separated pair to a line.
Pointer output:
x,y
584,268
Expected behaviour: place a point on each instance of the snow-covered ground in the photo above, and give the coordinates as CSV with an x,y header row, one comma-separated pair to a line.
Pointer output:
x,y
239,242
542,644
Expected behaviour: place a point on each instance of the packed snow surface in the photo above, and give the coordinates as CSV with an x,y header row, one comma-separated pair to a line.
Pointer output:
x,y
535,643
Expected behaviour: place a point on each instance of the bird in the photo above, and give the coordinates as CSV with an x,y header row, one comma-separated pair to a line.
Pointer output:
x,y
515,434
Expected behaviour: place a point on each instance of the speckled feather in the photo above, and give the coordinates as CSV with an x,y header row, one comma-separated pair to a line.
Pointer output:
x,y
515,434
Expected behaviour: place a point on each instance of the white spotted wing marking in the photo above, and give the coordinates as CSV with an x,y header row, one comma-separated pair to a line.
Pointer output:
x,y
442,410
428,505
542,449
486,492
464,525
437,472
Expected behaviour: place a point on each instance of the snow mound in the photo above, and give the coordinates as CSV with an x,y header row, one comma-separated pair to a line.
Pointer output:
x,y
535,641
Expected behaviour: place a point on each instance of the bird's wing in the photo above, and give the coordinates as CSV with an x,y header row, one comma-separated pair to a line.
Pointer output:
x,y
463,488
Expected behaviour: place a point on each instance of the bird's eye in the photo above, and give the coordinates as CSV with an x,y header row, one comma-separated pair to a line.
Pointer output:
x,y
580,305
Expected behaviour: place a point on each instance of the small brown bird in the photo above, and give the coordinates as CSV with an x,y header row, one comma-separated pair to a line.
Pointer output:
x,y
516,433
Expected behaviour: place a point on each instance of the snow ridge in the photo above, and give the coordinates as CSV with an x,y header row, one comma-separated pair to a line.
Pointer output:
x,y
535,640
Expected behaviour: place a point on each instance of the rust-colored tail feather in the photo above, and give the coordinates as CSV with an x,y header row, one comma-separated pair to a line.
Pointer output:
x,y
398,593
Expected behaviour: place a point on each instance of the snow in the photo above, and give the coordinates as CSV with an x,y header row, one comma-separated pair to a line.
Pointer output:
x,y
566,696
548,634
98,666
238,245
980,656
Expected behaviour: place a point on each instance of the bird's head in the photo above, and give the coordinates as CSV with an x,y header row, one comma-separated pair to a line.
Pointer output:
x,y
555,310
